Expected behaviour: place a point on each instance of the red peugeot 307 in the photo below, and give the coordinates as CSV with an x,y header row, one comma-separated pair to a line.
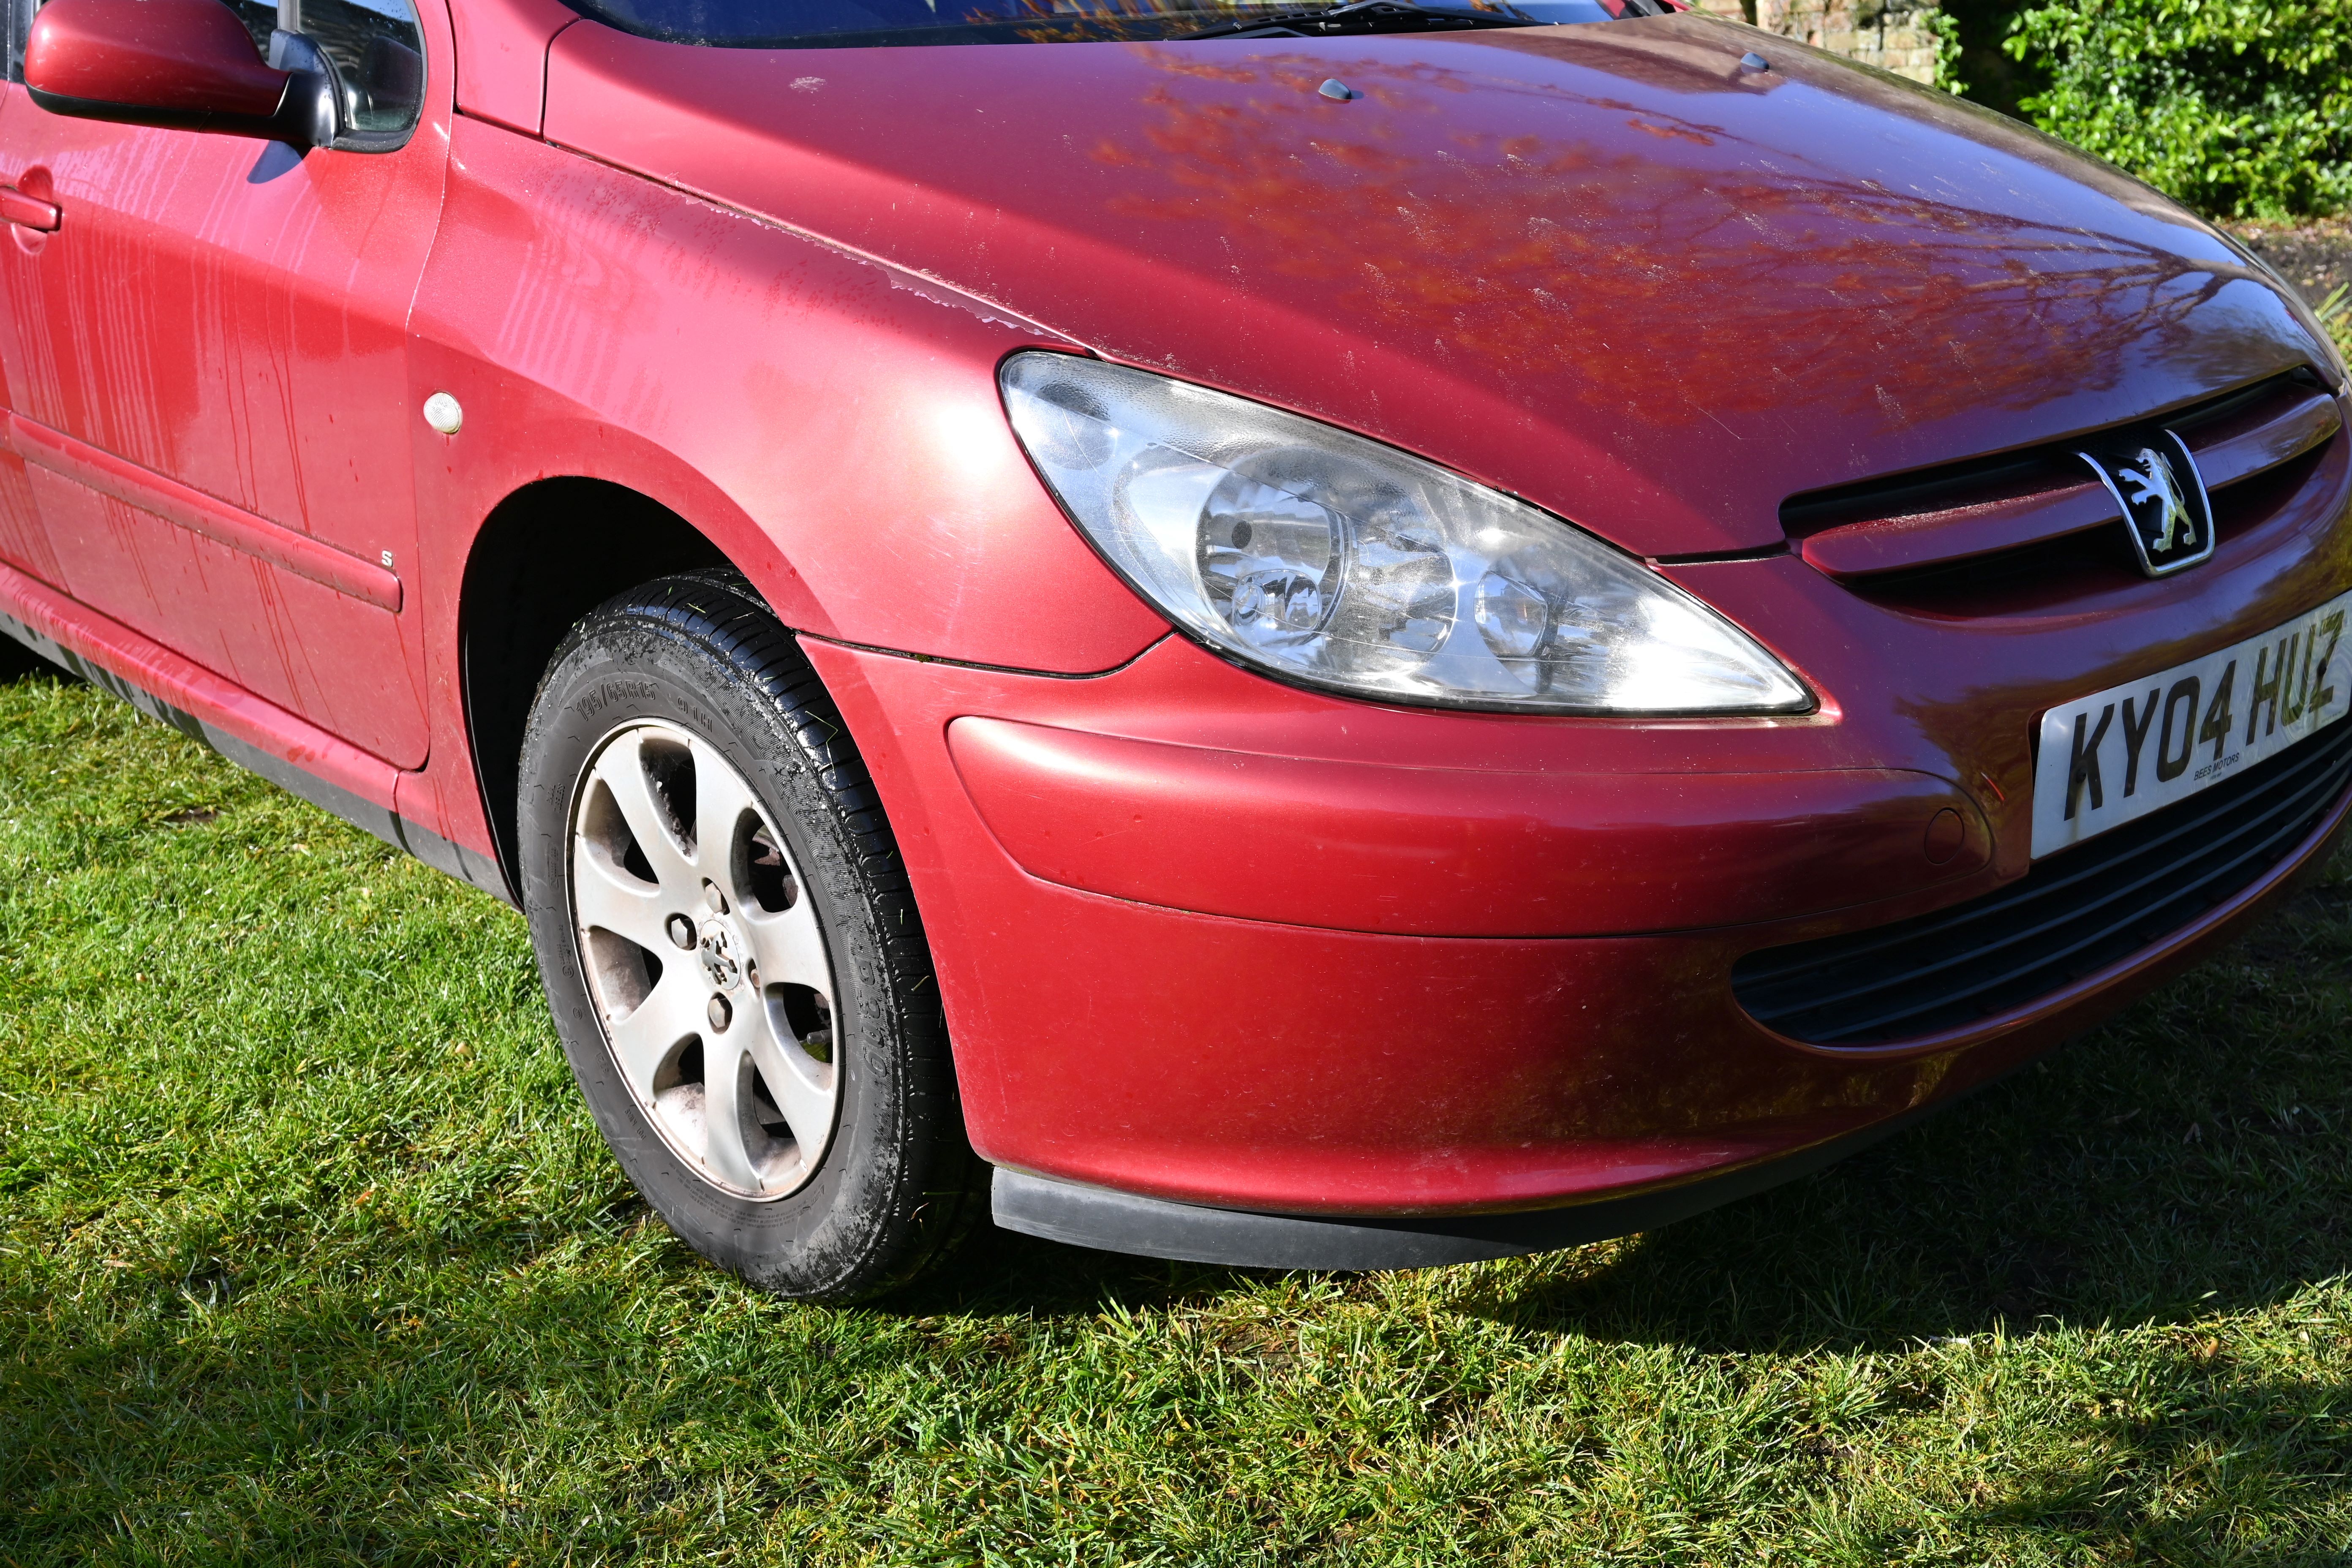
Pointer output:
x,y
1344,635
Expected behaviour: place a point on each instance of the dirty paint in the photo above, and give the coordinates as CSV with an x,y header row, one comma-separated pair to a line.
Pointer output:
x,y
1601,267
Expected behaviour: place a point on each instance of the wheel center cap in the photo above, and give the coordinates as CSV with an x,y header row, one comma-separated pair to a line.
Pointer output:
x,y
721,951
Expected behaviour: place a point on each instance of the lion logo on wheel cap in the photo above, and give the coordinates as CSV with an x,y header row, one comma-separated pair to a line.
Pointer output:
x,y
722,954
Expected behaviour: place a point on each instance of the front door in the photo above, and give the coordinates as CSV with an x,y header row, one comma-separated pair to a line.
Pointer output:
x,y
206,368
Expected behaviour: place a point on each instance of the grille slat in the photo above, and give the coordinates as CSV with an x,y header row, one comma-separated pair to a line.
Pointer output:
x,y
2105,898
2041,504
1943,924
2136,924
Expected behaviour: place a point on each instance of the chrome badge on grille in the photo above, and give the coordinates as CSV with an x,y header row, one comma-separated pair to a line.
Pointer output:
x,y
2165,507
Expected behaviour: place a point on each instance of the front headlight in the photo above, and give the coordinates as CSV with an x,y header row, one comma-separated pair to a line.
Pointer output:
x,y
1332,560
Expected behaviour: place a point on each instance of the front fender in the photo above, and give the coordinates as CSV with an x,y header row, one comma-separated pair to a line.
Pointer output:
x,y
829,421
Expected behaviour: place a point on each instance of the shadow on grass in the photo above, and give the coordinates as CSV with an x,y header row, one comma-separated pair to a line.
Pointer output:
x,y
18,662
238,1354
2190,1419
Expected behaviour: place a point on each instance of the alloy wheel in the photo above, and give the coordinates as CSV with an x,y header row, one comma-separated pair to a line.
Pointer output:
x,y
706,960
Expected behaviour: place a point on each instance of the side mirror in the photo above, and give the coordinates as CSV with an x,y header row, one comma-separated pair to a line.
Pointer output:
x,y
185,65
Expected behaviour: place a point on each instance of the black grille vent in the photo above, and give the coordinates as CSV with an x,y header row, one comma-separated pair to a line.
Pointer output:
x,y
2074,913
2015,475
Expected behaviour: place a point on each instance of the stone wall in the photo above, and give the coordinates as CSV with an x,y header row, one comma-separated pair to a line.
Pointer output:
x,y
1892,33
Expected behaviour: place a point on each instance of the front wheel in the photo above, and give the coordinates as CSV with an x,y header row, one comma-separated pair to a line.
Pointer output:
x,y
732,951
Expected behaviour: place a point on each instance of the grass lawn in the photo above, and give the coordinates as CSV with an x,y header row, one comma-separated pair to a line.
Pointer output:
x,y
309,1253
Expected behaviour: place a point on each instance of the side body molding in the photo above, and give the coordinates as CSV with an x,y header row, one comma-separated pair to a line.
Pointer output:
x,y
206,516
257,736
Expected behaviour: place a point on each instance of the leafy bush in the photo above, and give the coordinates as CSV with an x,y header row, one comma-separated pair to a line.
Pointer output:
x,y
2239,108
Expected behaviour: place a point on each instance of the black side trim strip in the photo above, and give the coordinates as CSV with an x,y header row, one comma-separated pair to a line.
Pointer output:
x,y
441,854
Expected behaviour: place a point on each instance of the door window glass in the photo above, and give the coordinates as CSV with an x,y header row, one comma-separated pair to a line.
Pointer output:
x,y
260,19
378,54
863,24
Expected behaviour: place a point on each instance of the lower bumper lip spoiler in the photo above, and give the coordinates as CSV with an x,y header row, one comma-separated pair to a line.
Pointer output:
x,y
1083,1216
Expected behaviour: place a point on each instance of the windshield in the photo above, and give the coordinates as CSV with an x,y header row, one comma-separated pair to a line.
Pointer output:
x,y
810,24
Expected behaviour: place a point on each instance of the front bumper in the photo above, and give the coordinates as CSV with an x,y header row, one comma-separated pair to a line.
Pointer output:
x,y
1212,941
1107,1039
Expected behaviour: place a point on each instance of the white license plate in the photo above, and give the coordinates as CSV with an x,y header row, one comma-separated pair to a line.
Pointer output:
x,y
2138,747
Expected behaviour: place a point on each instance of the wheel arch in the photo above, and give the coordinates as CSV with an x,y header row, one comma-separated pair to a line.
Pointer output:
x,y
547,554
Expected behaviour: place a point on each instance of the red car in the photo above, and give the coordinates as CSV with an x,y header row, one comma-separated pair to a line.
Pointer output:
x,y
1344,635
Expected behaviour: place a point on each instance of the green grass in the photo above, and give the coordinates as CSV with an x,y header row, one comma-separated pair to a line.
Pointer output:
x,y
309,1253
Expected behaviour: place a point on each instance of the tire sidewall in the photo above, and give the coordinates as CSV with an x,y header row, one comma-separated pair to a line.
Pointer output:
x,y
619,670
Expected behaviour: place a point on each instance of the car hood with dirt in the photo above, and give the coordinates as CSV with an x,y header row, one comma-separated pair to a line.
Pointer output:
x,y
1619,269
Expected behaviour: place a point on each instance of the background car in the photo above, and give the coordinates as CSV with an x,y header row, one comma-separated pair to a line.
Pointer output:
x,y
1353,639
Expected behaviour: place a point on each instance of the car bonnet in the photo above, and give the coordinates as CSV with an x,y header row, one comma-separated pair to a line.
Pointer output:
x,y
1609,266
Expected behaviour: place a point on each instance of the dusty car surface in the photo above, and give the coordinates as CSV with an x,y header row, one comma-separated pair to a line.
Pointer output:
x,y
1344,637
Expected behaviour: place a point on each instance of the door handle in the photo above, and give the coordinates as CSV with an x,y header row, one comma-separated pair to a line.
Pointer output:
x,y
27,212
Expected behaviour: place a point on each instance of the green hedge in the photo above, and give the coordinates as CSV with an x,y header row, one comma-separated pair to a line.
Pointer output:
x,y
2239,108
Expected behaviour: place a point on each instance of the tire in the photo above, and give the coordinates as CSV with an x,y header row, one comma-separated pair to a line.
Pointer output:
x,y
776,1079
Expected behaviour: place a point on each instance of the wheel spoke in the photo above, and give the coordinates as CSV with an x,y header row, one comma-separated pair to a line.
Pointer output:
x,y
622,770
721,799
648,778
644,1040
726,1095
603,895
801,1087
788,947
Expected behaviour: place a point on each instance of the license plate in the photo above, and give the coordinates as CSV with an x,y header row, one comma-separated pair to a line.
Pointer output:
x,y
2138,747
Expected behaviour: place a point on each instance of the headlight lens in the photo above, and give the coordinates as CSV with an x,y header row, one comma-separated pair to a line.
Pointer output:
x,y
1330,559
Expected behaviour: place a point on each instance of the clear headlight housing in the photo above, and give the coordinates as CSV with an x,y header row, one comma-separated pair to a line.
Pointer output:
x,y
1328,559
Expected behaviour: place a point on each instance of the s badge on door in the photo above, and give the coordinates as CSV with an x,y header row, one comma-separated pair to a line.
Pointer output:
x,y
2165,507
